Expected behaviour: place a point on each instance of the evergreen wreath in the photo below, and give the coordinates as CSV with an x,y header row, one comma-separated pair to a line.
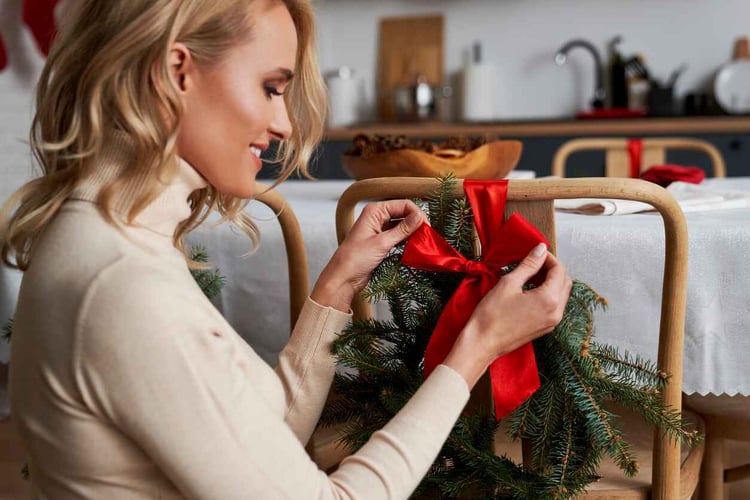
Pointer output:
x,y
566,421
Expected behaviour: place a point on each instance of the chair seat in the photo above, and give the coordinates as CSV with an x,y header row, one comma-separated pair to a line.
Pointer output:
x,y
12,459
616,485
326,452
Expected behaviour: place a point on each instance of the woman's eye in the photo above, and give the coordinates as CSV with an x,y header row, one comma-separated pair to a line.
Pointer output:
x,y
272,91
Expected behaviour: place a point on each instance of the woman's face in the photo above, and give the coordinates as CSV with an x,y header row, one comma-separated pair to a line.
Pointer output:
x,y
233,110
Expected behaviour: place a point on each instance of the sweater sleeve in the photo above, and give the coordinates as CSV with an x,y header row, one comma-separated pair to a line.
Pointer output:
x,y
306,366
146,364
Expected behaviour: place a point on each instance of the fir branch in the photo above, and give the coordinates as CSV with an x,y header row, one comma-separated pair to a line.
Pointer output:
x,y
597,419
629,368
549,419
385,279
649,405
210,281
438,202
459,231
7,331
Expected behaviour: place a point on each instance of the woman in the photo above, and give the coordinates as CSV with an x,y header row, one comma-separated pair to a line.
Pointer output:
x,y
125,381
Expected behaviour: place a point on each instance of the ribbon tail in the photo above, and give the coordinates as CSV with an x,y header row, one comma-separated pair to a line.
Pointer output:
x,y
514,378
456,313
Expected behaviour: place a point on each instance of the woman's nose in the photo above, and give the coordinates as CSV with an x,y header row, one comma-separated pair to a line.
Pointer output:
x,y
280,126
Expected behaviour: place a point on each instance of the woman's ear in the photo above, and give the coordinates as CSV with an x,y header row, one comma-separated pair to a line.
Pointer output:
x,y
181,66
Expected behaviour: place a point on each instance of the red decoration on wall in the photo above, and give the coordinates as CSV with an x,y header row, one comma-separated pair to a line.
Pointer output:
x,y
39,16
3,55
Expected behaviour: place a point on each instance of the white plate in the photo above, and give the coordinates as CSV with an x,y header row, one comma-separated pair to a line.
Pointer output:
x,y
732,87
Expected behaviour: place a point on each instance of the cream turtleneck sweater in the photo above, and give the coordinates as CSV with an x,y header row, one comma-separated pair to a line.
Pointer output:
x,y
127,383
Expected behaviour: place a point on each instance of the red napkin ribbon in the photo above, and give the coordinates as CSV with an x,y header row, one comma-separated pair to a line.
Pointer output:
x,y
635,150
664,175
514,376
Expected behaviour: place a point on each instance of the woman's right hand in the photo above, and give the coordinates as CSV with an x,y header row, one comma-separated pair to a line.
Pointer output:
x,y
509,316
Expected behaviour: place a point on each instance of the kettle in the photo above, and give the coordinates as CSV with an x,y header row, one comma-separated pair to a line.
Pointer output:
x,y
419,101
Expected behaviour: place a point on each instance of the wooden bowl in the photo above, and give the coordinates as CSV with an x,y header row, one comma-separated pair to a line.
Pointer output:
x,y
493,160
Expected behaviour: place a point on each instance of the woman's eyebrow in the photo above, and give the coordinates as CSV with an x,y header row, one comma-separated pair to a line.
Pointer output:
x,y
281,73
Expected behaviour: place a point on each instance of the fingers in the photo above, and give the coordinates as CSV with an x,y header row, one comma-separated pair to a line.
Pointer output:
x,y
556,279
554,292
377,219
530,265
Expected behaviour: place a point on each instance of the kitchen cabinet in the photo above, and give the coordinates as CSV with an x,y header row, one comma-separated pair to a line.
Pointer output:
x,y
730,134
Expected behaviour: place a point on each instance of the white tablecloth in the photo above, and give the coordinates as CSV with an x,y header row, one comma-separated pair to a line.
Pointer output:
x,y
620,257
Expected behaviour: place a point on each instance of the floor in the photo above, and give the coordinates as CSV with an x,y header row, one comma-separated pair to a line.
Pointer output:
x,y
14,487
12,484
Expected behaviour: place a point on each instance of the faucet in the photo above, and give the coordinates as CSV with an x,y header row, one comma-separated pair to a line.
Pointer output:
x,y
600,94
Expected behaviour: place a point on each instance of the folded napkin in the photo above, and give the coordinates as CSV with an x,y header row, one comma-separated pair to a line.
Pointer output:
x,y
664,175
691,198
521,174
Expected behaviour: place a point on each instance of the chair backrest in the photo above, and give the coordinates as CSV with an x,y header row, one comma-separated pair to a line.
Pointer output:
x,y
617,162
534,200
299,281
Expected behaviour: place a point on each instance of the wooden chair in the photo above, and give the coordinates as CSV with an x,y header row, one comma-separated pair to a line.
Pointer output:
x,y
673,477
296,256
617,163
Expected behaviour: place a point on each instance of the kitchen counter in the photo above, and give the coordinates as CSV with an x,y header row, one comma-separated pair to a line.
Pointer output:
x,y
549,128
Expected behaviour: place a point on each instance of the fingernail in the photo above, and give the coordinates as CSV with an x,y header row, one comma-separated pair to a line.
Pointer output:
x,y
413,218
539,250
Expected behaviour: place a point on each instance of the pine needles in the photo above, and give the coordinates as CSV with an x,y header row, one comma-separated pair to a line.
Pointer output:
x,y
210,281
567,421
7,331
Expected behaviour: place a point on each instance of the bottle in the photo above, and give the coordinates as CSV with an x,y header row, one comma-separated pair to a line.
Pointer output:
x,y
479,88
617,76
344,92
639,83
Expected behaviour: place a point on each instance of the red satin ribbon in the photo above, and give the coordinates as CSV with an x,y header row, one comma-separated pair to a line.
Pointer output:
x,y
635,150
514,376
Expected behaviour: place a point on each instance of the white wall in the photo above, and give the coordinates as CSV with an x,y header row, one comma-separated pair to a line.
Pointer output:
x,y
521,36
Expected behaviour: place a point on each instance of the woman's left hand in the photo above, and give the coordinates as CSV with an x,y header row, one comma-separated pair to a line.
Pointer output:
x,y
372,236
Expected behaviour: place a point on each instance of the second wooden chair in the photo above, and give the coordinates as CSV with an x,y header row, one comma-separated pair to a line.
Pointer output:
x,y
617,162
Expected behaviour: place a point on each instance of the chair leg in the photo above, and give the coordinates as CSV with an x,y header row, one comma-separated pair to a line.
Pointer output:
x,y
712,470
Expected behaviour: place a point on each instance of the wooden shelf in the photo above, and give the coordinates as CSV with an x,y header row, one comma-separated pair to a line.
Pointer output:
x,y
548,128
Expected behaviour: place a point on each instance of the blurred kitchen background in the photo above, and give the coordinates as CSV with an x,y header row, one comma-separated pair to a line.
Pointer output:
x,y
490,67
520,37
383,57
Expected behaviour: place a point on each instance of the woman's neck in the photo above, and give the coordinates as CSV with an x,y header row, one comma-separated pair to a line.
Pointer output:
x,y
164,213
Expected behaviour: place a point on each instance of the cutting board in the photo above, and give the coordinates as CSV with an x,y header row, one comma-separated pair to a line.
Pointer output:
x,y
408,47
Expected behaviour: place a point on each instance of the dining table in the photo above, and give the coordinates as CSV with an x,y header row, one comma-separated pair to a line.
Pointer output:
x,y
620,256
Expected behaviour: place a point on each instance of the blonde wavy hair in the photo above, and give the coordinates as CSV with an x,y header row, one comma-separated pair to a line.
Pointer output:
x,y
108,71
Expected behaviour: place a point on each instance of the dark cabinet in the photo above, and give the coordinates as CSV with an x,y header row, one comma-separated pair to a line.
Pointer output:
x,y
731,135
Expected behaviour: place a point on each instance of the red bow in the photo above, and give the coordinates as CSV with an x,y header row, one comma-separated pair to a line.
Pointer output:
x,y
514,376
